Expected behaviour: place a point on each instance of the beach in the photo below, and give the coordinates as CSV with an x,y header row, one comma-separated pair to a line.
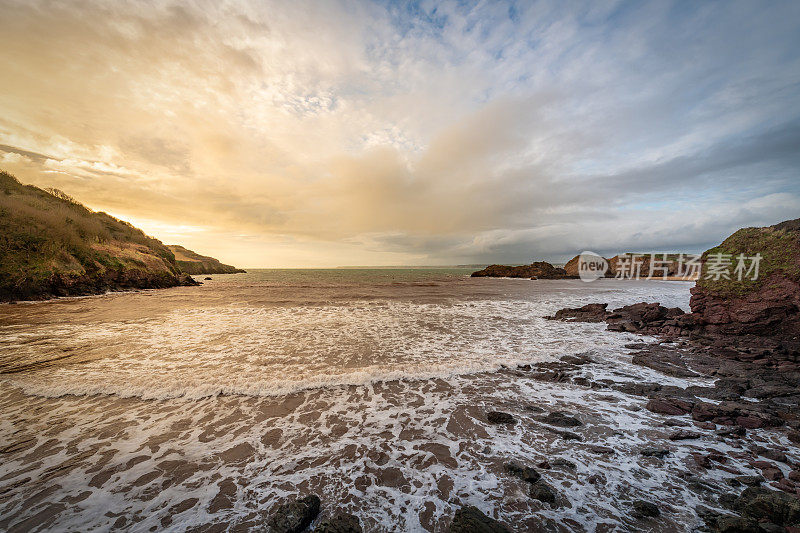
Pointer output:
x,y
203,411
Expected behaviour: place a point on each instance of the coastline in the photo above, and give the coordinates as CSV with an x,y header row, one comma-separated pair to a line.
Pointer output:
x,y
562,386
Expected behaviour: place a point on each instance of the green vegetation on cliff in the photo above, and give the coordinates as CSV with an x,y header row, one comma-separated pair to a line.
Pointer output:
x,y
51,245
195,264
779,246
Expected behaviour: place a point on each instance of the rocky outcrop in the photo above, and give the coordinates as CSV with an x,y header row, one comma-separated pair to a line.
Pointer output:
x,y
768,305
196,264
645,318
536,270
587,313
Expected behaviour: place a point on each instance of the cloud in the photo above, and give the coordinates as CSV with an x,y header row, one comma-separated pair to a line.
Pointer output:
x,y
428,132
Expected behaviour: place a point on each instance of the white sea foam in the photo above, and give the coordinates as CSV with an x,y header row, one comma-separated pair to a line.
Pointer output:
x,y
378,406
269,351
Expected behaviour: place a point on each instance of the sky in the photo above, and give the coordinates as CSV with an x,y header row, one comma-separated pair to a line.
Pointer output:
x,y
326,133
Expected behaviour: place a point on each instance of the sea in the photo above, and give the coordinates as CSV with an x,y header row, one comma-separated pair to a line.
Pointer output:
x,y
204,408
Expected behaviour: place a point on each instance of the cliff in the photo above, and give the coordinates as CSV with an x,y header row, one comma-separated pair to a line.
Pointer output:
x,y
51,245
195,264
767,304
646,269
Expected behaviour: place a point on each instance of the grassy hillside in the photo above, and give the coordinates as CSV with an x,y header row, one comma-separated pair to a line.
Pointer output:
x,y
194,263
779,246
50,245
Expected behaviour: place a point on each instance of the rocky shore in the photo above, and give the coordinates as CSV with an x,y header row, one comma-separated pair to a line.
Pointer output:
x,y
745,340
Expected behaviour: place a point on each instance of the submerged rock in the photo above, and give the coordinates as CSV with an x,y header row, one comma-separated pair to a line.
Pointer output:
x,y
499,417
543,492
684,434
643,509
470,519
341,523
525,473
561,419
655,452
560,462
295,516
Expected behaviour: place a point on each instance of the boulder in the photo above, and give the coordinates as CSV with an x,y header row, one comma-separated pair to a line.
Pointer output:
x,y
643,509
655,452
499,417
684,434
525,473
295,516
561,419
341,523
669,406
543,492
470,519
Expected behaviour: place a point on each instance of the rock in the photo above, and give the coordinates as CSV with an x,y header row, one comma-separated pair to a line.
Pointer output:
x,y
566,435
587,313
294,517
601,450
749,422
750,481
543,492
499,417
637,389
735,524
561,419
525,473
766,306
774,455
772,473
785,485
732,431
703,461
684,434
665,359
560,462
469,519
207,278
774,506
655,452
578,360
643,509
596,479
794,436
669,406
536,270
341,523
